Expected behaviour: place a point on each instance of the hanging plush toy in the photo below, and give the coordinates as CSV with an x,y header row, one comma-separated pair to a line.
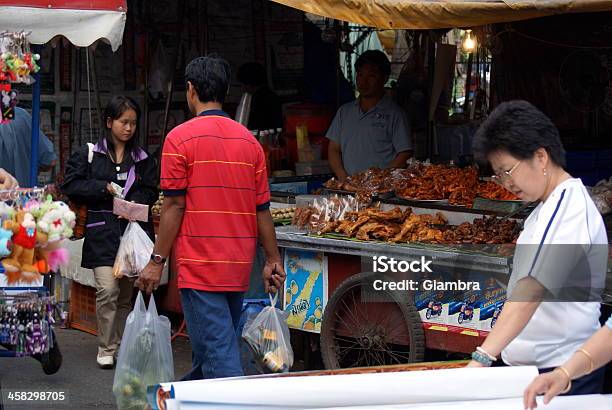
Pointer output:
x,y
6,213
25,237
57,223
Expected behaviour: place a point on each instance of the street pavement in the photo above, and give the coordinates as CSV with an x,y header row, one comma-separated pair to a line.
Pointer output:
x,y
85,385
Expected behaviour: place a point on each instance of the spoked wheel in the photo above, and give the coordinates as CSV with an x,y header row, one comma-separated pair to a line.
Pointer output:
x,y
357,332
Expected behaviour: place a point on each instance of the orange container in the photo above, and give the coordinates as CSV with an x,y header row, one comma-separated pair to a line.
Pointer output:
x,y
83,308
316,117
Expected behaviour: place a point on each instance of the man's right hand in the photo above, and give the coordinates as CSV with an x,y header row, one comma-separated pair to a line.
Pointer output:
x,y
7,181
273,276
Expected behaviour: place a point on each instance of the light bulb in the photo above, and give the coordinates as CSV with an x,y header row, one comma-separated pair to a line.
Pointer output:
x,y
469,44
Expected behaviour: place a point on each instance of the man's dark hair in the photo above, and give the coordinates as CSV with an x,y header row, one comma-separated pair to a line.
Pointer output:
x,y
210,76
252,74
520,129
376,58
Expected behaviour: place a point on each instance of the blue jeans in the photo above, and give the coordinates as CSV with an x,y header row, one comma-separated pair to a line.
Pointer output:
x,y
212,319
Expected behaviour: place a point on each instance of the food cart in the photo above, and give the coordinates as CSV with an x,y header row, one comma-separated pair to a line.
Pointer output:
x,y
328,291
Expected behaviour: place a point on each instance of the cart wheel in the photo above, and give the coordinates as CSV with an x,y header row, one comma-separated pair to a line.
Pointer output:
x,y
357,333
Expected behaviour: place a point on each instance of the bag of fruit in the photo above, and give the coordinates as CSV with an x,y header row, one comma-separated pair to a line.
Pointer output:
x,y
145,356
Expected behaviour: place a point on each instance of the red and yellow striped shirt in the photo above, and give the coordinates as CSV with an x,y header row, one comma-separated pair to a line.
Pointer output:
x,y
221,169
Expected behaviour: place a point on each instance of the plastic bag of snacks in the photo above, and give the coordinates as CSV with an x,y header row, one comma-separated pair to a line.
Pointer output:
x,y
268,336
134,252
145,356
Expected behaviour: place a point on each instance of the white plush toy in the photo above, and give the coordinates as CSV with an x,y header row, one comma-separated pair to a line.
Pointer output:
x,y
57,222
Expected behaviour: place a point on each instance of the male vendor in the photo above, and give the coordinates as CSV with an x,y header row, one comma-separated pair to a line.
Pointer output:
x,y
372,131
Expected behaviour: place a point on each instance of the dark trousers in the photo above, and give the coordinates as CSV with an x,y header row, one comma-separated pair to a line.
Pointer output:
x,y
212,319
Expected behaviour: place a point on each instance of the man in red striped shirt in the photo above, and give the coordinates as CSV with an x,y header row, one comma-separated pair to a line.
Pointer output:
x,y
216,206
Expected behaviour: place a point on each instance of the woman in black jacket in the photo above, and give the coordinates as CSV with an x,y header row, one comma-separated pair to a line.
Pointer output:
x,y
117,158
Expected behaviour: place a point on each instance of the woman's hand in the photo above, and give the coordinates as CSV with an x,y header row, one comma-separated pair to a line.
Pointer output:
x,y
474,363
550,384
110,189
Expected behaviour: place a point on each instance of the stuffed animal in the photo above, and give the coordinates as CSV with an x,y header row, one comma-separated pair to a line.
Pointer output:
x,y
57,222
6,212
25,237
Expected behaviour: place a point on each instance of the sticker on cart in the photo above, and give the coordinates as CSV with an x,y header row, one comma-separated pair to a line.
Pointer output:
x,y
493,299
305,289
432,304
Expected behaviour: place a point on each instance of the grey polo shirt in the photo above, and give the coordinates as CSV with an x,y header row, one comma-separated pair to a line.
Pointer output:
x,y
371,139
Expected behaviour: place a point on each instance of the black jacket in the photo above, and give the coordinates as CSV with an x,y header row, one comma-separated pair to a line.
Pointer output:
x,y
86,183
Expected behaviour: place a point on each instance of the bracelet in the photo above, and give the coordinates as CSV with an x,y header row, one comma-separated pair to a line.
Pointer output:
x,y
588,355
569,379
482,359
484,352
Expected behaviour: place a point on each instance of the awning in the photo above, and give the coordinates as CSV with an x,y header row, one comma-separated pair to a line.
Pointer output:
x,y
428,14
81,21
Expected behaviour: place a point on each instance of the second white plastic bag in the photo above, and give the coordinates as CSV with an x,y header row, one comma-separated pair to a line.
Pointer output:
x,y
268,336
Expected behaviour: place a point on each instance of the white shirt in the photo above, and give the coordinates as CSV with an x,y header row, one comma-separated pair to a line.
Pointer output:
x,y
566,227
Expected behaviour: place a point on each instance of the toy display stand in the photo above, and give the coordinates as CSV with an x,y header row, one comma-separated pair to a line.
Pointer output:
x,y
27,306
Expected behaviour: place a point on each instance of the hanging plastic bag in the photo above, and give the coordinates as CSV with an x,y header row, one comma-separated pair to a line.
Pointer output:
x,y
268,336
134,252
145,356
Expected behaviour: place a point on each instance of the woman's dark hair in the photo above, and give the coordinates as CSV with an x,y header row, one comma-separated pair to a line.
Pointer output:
x,y
376,58
520,129
252,74
210,76
115,109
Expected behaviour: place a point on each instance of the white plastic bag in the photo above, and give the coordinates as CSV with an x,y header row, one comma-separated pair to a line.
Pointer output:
x,y
145,356
268,336
134,252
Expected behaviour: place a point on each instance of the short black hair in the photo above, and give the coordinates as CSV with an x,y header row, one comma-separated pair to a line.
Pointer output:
x,y
210,76
376,58
520,129
252,74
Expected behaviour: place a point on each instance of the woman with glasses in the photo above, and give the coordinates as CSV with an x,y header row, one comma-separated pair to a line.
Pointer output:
x,y
561,254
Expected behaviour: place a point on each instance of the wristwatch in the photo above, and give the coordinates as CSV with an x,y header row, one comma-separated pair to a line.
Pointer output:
x,y
158,259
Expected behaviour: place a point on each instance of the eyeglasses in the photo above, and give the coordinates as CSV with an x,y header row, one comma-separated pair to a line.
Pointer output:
x,y
504,176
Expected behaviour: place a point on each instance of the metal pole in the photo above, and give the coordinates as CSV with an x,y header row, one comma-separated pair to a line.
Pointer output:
x,y
35,124
179,34
94,78
468,84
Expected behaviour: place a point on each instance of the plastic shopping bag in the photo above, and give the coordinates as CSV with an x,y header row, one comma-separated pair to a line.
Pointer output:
x,y
145,356
268,336
134,252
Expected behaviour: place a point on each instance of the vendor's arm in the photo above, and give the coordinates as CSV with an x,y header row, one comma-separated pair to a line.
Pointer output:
x,y
77,181
7,181
334,154
47,158
514,317
400,160
401,139
334,150
597,349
